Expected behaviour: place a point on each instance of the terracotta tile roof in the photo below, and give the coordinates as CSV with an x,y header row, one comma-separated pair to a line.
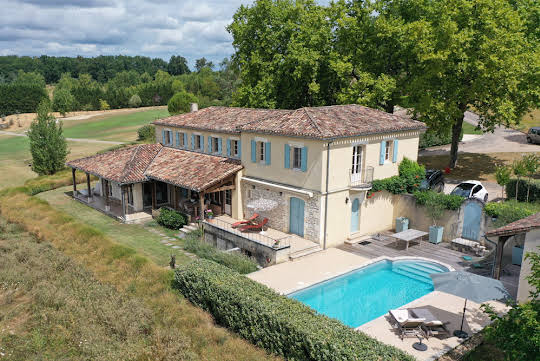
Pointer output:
x,y
520,226
317,122
125,165
196,171
224,119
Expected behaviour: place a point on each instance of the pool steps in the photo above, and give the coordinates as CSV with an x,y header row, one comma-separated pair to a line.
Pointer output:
x,y
419,271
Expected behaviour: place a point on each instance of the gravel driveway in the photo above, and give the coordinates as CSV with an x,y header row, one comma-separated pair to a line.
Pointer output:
x,y
501,140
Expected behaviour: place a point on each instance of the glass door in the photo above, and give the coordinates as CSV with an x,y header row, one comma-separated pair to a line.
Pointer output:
x,y
356,170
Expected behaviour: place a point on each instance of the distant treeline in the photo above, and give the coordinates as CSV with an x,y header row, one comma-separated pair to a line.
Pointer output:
x,y
101,68
22,91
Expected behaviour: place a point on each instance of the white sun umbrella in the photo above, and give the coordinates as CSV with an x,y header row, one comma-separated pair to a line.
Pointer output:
x,y
262,205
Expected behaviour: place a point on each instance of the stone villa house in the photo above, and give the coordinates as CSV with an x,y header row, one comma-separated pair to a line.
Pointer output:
x,y
313,166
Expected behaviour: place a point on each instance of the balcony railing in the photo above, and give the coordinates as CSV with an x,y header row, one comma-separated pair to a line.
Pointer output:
x,y
363,179
257,237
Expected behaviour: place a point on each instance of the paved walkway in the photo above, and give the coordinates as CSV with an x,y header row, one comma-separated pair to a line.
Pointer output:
x,y
82,140
502,140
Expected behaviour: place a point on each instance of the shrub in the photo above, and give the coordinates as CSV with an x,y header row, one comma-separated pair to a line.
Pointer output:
x,y
237,262
281,325
103,105
147,133
448,201
63,101
171,219
432,139
511,211
394,185
411,173
534,190
180,102
135,101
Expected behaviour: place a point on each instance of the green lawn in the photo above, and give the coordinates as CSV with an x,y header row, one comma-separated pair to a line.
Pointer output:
x,y
117,127
133,235
470,129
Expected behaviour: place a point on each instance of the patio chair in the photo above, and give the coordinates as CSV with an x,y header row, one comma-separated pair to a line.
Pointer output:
x,y
247,221
407,325
254,227
432,326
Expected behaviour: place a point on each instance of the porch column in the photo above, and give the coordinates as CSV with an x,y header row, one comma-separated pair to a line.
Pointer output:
x,y
123,198
106,192
201,205
89,188
74,181
154,201
174,198
499,255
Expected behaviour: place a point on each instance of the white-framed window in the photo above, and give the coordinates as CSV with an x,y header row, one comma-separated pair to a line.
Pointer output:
x,y
167,137
296,157
388,150
235,151
261,153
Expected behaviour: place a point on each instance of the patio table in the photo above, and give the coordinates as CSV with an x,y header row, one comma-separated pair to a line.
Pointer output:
x,y
409,235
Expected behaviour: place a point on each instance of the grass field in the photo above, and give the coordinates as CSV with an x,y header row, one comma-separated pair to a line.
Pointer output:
x,y
15,158
470,129
531,119
471,165
117,127
132,235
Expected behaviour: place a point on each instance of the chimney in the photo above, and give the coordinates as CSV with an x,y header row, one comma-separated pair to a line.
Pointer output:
x,y
194,107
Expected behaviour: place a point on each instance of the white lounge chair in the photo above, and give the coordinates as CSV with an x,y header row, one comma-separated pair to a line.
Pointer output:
x,y
406,324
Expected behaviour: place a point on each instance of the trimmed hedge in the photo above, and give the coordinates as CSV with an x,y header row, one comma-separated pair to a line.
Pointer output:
x,y
449,201
511,211
281,325
171,219
20,98
432,139
534,193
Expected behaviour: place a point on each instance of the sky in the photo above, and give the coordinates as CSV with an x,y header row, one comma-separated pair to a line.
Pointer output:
x,y
193,29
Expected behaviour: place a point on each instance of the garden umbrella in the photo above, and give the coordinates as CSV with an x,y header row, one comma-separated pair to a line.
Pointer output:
x,y
470,287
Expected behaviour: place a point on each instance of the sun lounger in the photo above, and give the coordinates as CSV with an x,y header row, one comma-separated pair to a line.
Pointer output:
x,y
406,324
247,221
432,325
254,227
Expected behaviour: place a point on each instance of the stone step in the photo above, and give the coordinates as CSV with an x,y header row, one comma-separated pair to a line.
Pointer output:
x,y
304,252
190,227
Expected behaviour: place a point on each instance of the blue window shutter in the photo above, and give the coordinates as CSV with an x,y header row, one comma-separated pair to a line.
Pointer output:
x,y
209,144
394,158
219,145
240,149
185,141
267,152
304,159
163,136
253,151
287,156
192,141
228,147
177,139
383,151
202,142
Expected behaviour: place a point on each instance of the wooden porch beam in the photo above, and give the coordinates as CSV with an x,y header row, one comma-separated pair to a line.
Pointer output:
x,y
74,181
106,192
154,201
201,205
123,197
88,186
499,255
224,188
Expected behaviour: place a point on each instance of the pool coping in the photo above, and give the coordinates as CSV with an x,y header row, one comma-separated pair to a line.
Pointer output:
x,y
365,264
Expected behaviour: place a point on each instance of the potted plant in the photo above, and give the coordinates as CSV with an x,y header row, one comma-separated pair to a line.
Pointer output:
x,y
209,214
435,210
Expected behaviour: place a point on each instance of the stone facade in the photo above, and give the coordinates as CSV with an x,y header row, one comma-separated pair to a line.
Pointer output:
x,y
278,217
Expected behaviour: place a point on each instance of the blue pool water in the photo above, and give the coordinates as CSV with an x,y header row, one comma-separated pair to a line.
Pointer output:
x,y
369,292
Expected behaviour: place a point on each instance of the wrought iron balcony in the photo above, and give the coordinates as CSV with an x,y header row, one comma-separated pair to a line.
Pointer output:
x,y
361,180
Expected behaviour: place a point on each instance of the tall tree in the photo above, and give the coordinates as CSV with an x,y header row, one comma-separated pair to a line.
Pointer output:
x,y
203,63
177,65
466,54
63,101
47,143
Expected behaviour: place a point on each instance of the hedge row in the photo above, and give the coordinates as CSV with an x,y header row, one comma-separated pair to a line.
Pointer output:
x,y
448,201
20,98
281,325
534,191
432,139
510,211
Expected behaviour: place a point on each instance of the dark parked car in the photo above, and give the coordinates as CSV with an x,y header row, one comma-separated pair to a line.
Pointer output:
x,y
533,135
434,180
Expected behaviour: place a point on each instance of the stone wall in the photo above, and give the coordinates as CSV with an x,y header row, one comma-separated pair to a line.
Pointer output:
x,y
278,217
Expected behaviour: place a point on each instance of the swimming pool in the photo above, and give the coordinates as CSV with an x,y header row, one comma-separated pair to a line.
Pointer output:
x,y
369,292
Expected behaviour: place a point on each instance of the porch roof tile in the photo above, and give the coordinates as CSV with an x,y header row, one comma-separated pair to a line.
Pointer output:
x,y
195,171
520,226
124,166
